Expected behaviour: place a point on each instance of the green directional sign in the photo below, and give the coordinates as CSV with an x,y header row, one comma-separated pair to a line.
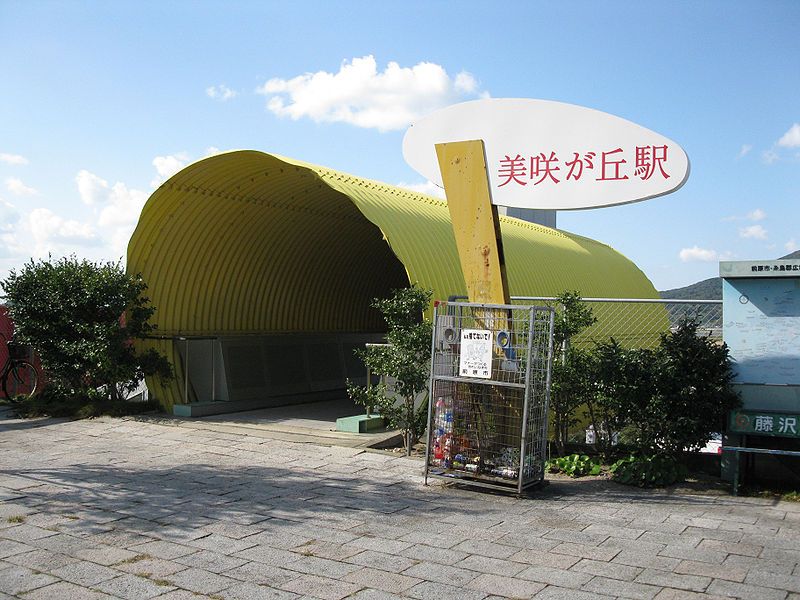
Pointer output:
x,y
765,423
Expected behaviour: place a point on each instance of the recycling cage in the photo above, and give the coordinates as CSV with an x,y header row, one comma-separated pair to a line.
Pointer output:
x,y
489,394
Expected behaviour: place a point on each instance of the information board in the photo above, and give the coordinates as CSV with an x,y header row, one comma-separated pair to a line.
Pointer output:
x,y
762,329
476,353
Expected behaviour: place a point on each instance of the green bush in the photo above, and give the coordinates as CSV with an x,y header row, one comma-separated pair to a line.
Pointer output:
x,y
648,471
82,319
52,402
405,358
574,465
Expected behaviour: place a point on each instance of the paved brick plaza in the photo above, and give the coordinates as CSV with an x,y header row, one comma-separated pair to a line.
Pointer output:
x,y
124,509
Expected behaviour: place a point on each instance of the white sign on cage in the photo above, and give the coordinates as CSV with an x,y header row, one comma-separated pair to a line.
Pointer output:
x,y
476,353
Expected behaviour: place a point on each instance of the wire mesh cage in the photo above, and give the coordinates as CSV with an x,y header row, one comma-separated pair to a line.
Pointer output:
x,y
490,387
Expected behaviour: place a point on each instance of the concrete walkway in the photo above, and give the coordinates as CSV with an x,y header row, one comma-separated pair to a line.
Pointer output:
x,y
116,508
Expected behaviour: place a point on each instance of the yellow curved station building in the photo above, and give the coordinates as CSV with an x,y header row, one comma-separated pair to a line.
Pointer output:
x,y
263,268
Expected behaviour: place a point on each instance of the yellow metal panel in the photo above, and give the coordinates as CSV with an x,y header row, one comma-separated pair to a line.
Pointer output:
x,y
246,242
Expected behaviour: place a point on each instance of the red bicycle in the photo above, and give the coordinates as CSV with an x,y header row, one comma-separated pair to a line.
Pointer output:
x,y
19,376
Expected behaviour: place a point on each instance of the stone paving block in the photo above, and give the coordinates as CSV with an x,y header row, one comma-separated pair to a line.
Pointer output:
x,y
321,587
687,553
224,545
379,544
423,552
278,538
210,561
133,587
163,549
672,594
556,577
637,546
584,551
231,529
780,567
252,591
105,555
626,533
200,581
576,537
382,561
693,583
41,560
64,590
670,539
731,573
625,589
486,548
552,592
611,569
448,575
742,590
722,535
429,590
790,583
150,567
528,541
11,547
545,559
84,573
18,580
269,555
381,580
484,564
781,554
25,533
255,572
730,547
509,587
312,565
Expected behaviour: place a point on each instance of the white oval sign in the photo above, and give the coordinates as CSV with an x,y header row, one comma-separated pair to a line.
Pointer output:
x,y
551,155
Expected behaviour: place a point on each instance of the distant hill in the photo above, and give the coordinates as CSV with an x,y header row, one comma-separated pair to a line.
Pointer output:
x,y
708,289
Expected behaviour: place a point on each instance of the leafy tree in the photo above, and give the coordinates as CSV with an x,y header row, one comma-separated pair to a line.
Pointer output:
x,y
405,360
81,318
571,382
691,395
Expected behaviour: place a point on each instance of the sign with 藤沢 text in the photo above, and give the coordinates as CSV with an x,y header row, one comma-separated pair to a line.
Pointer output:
x,y
475,359
765,423
551,155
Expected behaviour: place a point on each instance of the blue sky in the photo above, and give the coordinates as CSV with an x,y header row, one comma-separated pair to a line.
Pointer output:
x,y
101,101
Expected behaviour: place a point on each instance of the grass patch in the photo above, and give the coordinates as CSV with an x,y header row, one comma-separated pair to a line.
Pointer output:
x,y
78,407
16,519
134,559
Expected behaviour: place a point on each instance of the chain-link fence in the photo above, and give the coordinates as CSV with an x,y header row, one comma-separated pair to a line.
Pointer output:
x,y
639,323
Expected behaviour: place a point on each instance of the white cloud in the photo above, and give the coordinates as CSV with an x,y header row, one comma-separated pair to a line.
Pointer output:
x,y
756,232
695,254
9,215
745,150
791,139
359,95
756,215
429,188
91,188
48,229
221,92
791,245
13,159
16,187
167,166
769,156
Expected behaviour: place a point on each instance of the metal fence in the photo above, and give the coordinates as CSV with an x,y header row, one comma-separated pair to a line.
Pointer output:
x,y
639,323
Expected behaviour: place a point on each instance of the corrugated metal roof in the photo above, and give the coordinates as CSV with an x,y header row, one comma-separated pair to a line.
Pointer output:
x,y
248,242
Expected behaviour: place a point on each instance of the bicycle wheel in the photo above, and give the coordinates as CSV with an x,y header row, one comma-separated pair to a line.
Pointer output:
x,y
21,379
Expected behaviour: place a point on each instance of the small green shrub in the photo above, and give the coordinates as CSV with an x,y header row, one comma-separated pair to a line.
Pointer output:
x,y
54,403
574,465
648,471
